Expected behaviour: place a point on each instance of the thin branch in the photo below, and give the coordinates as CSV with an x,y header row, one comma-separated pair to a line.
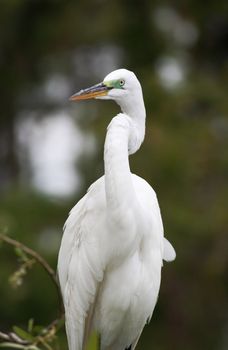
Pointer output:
x,y
45,334
40,260
12,337
48,332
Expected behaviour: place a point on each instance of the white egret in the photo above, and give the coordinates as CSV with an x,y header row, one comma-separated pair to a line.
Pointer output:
x,y
113,245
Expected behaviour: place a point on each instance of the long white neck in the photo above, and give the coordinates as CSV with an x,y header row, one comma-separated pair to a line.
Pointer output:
x,y
124,136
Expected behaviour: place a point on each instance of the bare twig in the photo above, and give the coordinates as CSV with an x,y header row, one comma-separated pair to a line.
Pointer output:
x,y
40,260
12,337
47,333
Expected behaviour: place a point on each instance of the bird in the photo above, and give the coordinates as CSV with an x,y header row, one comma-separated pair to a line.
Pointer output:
x,y
113,245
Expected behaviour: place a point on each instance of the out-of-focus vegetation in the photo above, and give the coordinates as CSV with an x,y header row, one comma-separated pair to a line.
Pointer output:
x,y
179,51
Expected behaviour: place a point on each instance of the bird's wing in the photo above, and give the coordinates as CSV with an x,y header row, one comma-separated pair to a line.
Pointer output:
x,y
80,267
133,345
169,253
149,201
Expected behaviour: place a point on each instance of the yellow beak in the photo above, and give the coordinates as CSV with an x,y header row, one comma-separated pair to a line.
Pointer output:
x,y
94,91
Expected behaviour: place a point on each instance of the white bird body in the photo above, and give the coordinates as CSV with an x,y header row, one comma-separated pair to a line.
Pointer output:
x,y
113,245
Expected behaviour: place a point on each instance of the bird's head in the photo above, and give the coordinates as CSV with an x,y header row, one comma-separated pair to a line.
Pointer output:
x,y
123,87
119,85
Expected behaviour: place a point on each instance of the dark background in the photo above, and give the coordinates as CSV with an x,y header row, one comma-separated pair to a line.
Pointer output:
x,y
51,149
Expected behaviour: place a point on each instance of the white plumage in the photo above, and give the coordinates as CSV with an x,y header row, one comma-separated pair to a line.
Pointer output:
x,y
113,245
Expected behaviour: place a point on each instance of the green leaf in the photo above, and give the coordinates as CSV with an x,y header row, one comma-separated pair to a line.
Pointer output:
x,y
19,346
30,325
38,329
23,334
93,342
21,254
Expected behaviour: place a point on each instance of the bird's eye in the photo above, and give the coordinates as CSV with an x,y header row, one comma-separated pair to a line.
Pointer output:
x,y
122,82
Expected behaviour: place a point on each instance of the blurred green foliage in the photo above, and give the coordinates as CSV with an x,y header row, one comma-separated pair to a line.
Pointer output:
x,y
184,156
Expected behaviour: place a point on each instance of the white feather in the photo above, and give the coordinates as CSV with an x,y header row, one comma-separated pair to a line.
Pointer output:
x,y
113,245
